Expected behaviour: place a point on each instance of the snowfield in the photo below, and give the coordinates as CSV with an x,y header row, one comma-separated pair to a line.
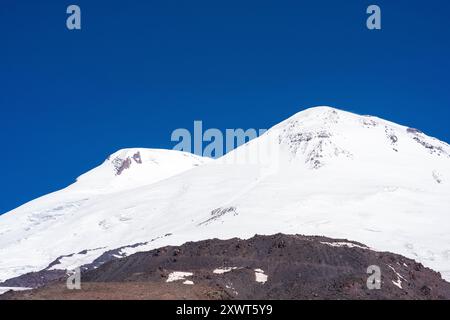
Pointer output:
x,y
321,172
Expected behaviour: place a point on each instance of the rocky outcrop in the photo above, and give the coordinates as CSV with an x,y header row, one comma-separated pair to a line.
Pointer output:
x,y
263,267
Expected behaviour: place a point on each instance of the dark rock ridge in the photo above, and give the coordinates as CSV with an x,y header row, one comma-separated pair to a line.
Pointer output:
x,y
263,267
47,275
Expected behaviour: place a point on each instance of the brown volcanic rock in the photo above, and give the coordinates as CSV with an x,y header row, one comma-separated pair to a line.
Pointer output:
x,y
119,291
297,267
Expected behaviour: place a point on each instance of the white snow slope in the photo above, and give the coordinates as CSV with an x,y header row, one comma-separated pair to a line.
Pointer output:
x,y
321,172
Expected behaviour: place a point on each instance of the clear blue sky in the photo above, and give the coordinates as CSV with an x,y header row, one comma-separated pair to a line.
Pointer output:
x,y
139,69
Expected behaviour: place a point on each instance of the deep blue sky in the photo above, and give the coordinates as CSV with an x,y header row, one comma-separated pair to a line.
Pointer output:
x,y
139,69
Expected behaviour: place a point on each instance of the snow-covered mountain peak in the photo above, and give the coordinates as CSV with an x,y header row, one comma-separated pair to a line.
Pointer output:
x,y
330,119
125,159
134,167
336,174
310,135
320,135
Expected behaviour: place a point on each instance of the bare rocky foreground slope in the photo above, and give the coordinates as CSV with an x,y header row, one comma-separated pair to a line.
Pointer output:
x,y
263,267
